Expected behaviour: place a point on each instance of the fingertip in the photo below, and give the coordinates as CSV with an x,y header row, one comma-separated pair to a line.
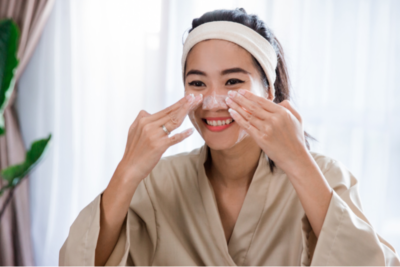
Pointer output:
x,y
190,98
179,137
232,112
188,132
198,99
228,100
232,93
242,91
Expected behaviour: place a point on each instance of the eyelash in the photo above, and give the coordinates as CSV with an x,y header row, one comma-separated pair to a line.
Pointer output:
x,y
230,80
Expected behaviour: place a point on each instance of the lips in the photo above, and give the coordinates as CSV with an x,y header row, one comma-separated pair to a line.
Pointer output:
x,y
217,124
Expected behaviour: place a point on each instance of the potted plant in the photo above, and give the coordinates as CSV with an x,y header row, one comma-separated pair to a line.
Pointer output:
x,y
13,175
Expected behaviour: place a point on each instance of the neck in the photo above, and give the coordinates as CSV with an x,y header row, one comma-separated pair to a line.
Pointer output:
x,y
234,167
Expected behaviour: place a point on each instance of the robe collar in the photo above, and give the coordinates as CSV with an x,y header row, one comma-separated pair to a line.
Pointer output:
x,y
253,208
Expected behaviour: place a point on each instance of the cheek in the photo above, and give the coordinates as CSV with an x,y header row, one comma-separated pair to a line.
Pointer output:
x,y
257,88
197,113
195,117
187,90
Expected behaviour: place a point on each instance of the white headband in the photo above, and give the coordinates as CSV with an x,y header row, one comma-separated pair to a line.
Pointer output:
x,y
239,34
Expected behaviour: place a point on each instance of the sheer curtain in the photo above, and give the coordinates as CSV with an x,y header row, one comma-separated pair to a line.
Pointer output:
x,y
99,63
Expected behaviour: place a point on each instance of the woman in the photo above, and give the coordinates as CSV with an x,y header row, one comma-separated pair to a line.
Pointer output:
x,y
252,195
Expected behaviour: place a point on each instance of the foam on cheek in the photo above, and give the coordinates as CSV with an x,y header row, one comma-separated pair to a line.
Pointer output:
x,y
258,88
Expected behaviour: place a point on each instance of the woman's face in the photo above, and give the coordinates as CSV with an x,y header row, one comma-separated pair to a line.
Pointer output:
x,y
213,67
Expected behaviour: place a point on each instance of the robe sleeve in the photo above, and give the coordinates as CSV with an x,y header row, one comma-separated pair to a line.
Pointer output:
x,y
136,242
346,238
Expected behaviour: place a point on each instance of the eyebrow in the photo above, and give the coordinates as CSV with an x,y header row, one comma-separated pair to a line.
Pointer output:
x,y
224,72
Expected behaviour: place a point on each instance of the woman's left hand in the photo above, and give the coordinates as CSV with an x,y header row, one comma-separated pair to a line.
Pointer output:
x,y
277,128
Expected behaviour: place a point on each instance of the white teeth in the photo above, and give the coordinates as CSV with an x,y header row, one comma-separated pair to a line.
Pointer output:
x,y
219,123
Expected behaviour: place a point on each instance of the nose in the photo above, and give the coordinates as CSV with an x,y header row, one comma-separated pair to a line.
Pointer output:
x,y
213,101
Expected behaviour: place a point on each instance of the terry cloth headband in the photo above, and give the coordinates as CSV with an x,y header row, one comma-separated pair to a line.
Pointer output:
x,y
239,34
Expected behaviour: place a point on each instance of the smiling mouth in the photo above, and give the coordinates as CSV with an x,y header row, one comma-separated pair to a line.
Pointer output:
x,y
218,124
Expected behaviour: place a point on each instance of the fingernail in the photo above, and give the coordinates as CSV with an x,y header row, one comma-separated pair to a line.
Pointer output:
x,y
188,132
232,112
190,98
242,91
232,93
228,100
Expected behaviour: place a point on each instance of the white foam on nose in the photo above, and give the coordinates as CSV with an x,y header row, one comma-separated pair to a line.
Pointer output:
x,y
214,101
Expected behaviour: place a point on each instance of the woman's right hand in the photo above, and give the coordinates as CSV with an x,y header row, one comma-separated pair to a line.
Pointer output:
x,y
147,141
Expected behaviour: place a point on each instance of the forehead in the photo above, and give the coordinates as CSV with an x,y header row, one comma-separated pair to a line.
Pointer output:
x,y
214,55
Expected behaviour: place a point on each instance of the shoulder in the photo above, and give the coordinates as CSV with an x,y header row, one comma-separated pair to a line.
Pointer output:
x,y
335,172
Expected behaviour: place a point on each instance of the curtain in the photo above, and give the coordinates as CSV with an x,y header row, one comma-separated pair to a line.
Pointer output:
x,y
15,234
100,62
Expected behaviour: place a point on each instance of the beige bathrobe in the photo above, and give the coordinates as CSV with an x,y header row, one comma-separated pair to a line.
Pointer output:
x,y
173,220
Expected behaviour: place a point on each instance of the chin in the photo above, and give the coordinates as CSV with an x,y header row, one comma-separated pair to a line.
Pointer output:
x,y
219,144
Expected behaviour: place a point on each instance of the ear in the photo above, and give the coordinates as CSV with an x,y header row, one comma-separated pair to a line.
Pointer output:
x,y
288,105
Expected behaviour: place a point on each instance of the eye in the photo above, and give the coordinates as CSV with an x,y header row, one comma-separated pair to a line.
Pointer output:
x,y
196,83
233,81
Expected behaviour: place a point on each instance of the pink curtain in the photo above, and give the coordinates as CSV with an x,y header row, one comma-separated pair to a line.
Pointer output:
x,y
15,234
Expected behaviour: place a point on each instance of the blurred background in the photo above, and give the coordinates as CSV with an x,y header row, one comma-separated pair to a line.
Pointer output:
x,y
99,62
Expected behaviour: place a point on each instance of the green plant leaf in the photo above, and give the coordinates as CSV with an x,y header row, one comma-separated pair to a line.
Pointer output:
x,y
9,35
14,174
37,149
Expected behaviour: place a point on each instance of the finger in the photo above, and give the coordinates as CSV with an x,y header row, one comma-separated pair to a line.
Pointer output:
x,y
133,128
197,101
142,114
290,107
257,119
183,101
248,105
250,129
174,119
176,138
266,104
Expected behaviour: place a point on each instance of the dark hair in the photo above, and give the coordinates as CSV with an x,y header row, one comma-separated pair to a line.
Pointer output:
x,y
282,82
